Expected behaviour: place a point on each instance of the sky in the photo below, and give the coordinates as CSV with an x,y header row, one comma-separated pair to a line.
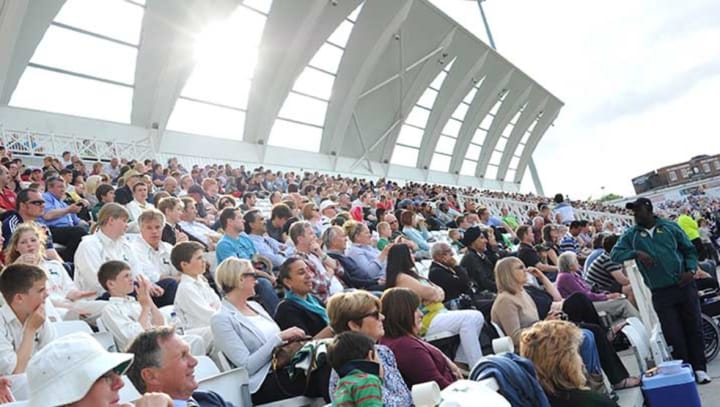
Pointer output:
x,y
639,79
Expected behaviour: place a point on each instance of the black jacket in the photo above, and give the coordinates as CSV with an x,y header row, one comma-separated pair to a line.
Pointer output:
x,y
290,314
453,284
480,268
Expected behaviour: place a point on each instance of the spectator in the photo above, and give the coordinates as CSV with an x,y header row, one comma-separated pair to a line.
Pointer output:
x,y
362,250
195,301
553,346
597,250
436,318
61,218
353,355
256,231
351,273
414,231
300,308
153,255
197,231
249,199
570,242
322,267
359,311
24,329
139,202
530,256
478,264
606,275
279,216
550,240
124,195
247,335
107,243
104,193
563,212
172,208
163,363
7,196
29,208
417,360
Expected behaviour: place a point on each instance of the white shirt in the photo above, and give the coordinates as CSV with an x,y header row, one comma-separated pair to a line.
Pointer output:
x,y
268,327
121,317
198,230
153,263
11,334
195,301
96,249
59,283
135,208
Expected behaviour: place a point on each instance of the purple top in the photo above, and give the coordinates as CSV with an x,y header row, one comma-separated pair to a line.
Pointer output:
x,y
419,361
571,283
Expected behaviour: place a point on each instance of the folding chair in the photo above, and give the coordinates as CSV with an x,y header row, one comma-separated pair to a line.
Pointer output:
x,y
63,328
232,384
205,368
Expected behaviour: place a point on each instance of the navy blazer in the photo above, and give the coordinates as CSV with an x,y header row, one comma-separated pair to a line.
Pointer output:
x,y
210,399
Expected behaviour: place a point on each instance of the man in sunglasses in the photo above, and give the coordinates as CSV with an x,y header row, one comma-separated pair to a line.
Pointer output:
x,y
29,206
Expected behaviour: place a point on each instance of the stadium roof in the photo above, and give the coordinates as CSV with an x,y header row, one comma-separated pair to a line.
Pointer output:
x,y
389,88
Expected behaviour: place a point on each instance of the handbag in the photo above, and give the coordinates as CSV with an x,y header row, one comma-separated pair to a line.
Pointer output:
x,y
283,354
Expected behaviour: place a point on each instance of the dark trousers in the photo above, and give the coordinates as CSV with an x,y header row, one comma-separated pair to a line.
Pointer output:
x,y
579,308
678,309
69,237
170,286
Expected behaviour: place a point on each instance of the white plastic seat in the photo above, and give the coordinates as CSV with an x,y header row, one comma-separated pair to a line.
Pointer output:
x,y
106,340
300,401
232,384
205,368
641,346
63,328
167,311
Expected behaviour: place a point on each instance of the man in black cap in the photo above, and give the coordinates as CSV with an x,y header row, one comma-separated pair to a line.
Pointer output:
x,y
668,263
478,264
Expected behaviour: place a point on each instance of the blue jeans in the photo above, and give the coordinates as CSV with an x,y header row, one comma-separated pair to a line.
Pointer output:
x,y
266,295
588,352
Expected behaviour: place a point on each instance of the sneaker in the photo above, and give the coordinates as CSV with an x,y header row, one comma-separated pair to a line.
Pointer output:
x,y
701,377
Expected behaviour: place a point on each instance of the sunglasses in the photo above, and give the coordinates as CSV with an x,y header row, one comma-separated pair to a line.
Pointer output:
x,y
39,202
246,275
375,314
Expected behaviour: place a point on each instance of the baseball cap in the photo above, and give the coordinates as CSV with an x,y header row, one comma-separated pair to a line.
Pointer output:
x,y
65,369
640,202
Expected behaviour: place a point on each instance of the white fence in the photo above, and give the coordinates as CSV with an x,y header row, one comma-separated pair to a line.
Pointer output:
x,y
36,144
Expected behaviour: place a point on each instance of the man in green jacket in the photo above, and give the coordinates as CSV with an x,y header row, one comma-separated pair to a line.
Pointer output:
x,y
667,261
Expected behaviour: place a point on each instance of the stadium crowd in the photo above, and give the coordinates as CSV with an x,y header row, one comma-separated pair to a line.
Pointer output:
x,y
252,261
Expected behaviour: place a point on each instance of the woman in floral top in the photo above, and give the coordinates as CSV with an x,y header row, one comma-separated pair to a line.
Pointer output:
x,y
359,311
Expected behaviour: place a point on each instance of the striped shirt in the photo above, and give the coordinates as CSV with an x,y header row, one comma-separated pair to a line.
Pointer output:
x,y
599,275
569,244
358,389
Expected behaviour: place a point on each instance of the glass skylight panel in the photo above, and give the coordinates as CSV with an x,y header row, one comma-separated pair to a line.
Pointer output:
x,y
445,145
440,162
519,150
495,158
259,5
418,117
327,58
116,19
500,146
76,52
514,162
406,156
55,92
491,172
471,95
452,128
202,118
479,136
303,109
510,175
460,111
341,34
473,151
234,93
438,81
525,137
295,136
354,15
496,107
428,98
315,83
486,122
468,167
410,136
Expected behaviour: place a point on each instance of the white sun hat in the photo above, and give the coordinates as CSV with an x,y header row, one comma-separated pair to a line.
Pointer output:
x,y
65,369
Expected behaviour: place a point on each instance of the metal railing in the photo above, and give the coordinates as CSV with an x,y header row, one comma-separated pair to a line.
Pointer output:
x,y
39,144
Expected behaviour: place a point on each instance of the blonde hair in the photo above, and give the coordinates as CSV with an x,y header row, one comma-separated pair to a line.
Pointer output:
x,y
554,349
149,215
11,253
308,211
111,210
91,184
383,226
505,277
228,275
350,306
352,229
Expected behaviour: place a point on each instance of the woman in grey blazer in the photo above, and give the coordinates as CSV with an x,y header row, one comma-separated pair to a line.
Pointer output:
x,y
247,335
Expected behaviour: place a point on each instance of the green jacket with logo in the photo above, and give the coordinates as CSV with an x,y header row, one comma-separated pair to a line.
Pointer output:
x,y
669,247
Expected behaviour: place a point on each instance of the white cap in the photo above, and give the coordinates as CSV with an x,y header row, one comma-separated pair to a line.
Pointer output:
x,y
327,204
64,371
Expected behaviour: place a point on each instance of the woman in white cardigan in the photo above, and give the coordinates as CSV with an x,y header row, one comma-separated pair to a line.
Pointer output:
x,y
247,335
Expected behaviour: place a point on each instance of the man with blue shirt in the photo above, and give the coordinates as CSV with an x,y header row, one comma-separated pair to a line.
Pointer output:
x,y
65,226
256,231
668,263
